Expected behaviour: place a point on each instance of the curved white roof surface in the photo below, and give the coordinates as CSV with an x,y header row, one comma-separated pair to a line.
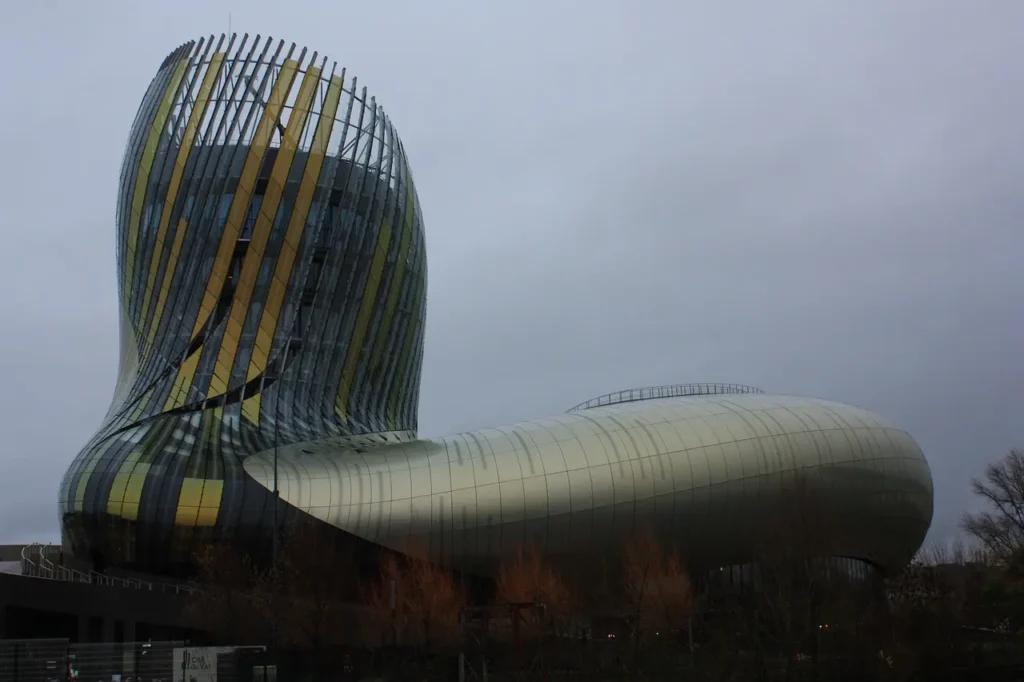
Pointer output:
x,y
705,472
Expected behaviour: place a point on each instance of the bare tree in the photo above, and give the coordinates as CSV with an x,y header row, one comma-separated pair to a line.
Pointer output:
x,y
788,581
418,601
526,577
1001,528
316,575
657,588
385,611
226,605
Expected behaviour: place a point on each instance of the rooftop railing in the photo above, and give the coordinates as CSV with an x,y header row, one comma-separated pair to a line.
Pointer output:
x,y
631,395
37,562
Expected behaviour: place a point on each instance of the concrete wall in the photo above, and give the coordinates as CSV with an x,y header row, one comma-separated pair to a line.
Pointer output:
x,y
38,607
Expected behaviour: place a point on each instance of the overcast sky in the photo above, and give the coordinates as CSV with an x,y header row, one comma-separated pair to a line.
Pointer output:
x,y
819,198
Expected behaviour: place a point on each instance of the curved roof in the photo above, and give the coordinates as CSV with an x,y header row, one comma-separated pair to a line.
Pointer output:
x,y
708,473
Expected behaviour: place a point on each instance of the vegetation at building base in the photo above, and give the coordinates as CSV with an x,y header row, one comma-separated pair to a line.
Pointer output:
x,y
956,612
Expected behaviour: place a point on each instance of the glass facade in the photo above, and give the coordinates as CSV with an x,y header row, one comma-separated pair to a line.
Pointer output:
x,y
272,280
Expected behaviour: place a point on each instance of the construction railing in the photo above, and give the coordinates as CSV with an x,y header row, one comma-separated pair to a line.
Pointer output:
x,y
37,561
671,391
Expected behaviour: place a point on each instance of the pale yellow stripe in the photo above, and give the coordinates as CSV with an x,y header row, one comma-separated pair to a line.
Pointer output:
x,y
172,264
115,501
246,183
83,480
293,235
239,206
251,409
187,140
261,234
142,179
141,405
396,286
188,502
133,491
213,490
401,372
128,366
186,372
97,454
365,312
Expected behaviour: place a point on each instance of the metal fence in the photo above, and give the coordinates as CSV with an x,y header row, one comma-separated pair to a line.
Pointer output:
x,y
58,660
37,561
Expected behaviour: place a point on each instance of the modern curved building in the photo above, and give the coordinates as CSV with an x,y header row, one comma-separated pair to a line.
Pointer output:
x,y
272,273
712,469
272,279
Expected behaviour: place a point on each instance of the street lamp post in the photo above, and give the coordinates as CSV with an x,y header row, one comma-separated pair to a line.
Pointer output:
x,y
277,491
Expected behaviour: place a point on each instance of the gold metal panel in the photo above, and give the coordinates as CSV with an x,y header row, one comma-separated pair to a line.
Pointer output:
x,y
133,491
251,408
261,231
142,177
209,505
363,320
296,227
83,480
187,140
172,265
246,184
401,379
396,283
186,372
188,502
115,501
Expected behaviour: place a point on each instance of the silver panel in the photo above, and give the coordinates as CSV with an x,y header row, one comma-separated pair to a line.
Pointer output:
x,y
704,471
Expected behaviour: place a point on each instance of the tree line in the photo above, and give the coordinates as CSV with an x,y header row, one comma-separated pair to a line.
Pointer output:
x,y
793,613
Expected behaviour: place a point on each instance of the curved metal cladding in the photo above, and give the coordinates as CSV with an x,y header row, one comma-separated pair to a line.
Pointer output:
x,y
705,472
272,278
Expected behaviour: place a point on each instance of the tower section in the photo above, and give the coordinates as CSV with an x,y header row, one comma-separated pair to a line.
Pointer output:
x,y
272,288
